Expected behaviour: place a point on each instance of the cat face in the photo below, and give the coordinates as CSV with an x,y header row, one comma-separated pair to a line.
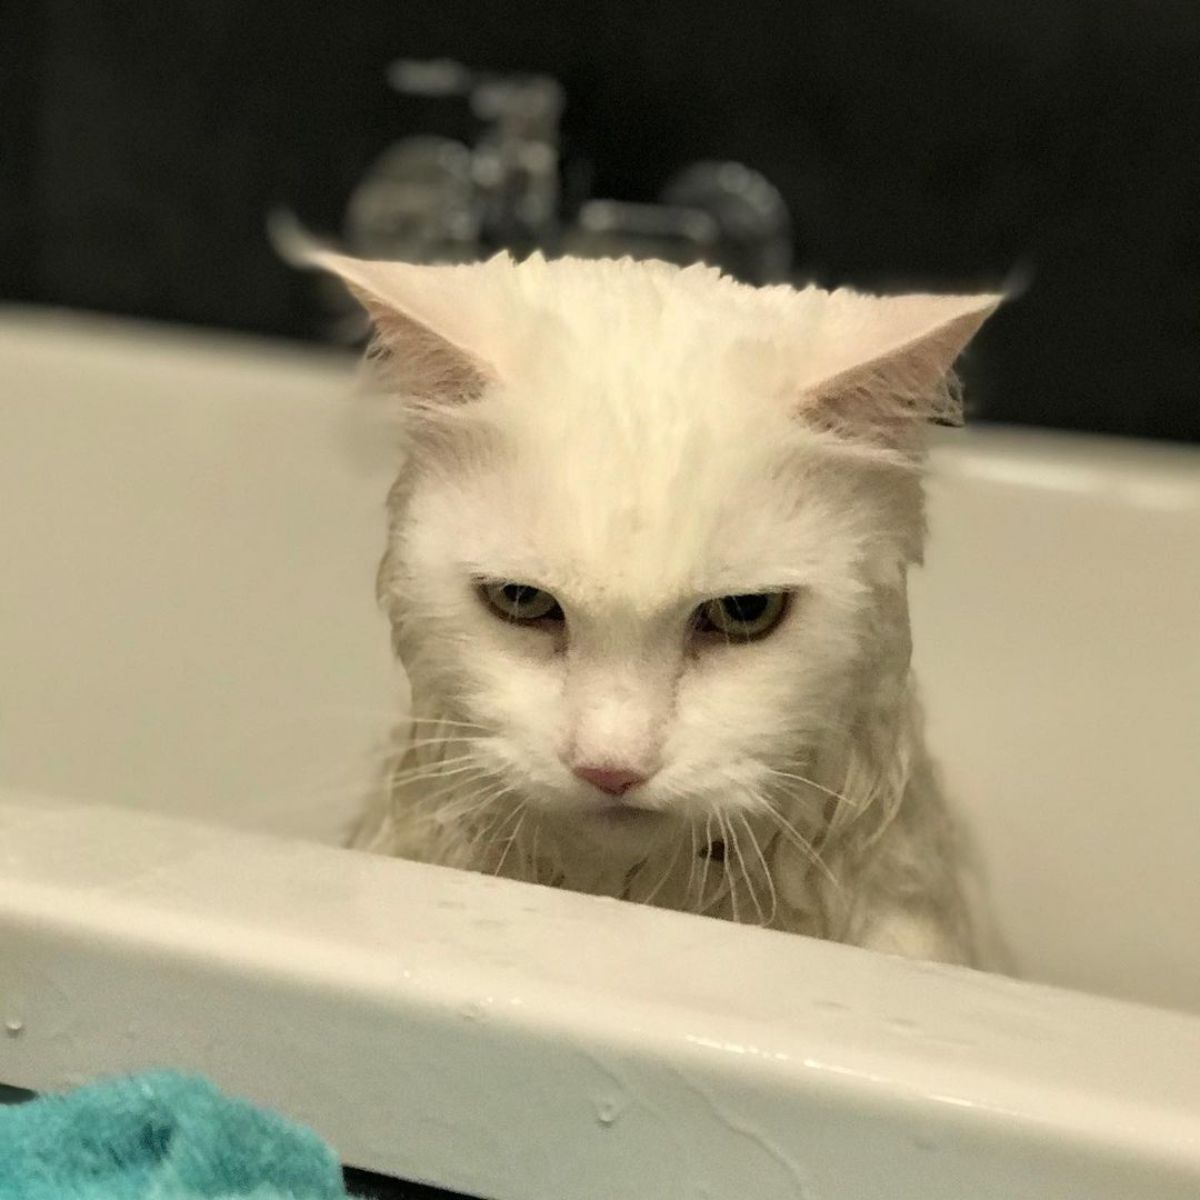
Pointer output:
x,y
609,687
651,542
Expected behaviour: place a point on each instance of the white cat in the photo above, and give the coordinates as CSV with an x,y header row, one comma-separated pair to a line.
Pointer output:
x,y
646,572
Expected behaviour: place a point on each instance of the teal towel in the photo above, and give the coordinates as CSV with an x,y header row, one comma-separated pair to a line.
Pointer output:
x,y
159,1136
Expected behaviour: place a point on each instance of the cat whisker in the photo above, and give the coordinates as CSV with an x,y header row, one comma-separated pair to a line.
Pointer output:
x,y
496,820
728,869
493,822
490,787
520,812
746,876
691,879
388,757
452,739
484,788
708,820
797,839
766,870
445,814
434,765
407,780
535,861
666,874
812,783
415,720
439,770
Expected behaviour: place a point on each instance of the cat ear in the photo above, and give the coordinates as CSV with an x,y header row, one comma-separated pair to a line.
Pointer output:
x,y
888,370
433,325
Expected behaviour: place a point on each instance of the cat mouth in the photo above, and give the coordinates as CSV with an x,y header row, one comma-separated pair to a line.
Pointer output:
x,y
622,814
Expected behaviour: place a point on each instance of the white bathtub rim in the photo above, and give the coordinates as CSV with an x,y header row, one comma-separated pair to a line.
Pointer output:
x,y
1125,1075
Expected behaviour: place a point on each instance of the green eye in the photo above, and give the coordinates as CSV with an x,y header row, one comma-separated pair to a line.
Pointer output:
x,y
520,602
742,618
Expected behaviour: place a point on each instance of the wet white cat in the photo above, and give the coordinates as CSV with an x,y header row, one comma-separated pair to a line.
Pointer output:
x,y
646,572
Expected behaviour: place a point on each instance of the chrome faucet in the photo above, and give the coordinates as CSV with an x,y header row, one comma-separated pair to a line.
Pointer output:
x,y
435,199
431,198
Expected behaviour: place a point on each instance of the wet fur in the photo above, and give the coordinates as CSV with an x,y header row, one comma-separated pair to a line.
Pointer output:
x,y
636,438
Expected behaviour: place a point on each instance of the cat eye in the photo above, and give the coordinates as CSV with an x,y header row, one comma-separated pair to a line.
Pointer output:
x,y
520,602
742,618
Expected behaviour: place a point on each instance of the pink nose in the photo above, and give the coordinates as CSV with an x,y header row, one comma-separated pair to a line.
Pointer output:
x,y
616,781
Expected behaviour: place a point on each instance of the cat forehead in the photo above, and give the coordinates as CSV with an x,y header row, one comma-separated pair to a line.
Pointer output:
x,y
634,530
613,352
650,430
626,305
645,461
619,283
621,317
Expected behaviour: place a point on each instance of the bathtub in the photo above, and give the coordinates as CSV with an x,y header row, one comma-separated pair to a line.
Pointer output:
x,y
194,681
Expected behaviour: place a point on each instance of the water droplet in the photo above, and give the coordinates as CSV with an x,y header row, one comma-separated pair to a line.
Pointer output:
x,y
609,1110
14,1026
830,1005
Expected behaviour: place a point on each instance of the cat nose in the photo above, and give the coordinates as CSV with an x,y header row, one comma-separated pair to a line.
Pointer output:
x,y
616,781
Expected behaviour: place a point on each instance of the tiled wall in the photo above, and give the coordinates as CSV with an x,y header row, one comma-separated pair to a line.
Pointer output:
x,y
917,141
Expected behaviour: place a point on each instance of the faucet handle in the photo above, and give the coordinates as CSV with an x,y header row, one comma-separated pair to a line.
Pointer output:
x,y
521,106
755,226
513,151
434,78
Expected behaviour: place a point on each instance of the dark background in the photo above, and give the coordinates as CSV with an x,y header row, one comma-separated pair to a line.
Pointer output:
x,y
939,143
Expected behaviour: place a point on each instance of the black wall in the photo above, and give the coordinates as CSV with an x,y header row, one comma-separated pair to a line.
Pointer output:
x,y
934,142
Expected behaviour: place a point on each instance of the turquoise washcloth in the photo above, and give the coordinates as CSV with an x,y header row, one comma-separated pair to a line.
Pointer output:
x,y
159,1136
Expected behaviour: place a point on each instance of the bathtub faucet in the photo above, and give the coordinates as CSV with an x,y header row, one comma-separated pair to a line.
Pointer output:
x,y
500,185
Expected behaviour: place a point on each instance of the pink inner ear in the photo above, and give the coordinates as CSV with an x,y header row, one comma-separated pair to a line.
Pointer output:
x,y
884,395
419,362
432,323
906,378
